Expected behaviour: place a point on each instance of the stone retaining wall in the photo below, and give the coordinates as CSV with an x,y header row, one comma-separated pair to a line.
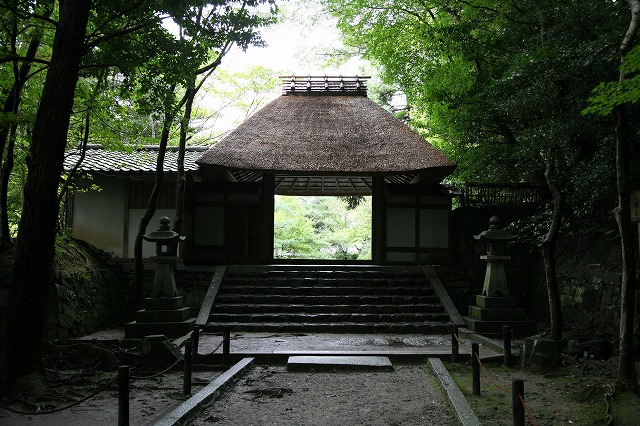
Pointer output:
x,y
81,303
589,278
81,300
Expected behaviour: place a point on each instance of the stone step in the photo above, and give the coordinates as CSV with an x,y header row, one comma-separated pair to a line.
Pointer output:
x,y
296,317
242,308
322,290
329,299
341,362
344,327
308,281
324,300
316,273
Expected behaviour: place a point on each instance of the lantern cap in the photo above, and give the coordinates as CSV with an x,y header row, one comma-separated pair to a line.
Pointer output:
x,y
164,233
495,232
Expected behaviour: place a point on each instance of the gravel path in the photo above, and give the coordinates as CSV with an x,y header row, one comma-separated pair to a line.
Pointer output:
x,y
273,396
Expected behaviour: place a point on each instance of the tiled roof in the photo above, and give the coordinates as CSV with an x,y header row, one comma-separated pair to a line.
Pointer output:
x,y
140,160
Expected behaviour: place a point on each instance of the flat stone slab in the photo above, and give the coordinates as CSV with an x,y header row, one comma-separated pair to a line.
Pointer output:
x,y
460,405
342,363
192,406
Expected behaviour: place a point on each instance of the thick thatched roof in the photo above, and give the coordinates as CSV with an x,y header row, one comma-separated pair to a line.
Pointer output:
x,y
330,133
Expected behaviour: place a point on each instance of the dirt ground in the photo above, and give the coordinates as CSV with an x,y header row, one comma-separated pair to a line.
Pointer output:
x,y
579,393
73,373
267,395
270,395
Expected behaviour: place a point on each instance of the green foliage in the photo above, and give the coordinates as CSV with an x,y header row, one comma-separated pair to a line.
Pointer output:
x,y
496,84
322,228
140,59
293,232
608,95
237,95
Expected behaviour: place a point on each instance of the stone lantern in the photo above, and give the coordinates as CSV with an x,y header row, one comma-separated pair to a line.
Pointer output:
x,y
164,282
495,307
495,278
164,313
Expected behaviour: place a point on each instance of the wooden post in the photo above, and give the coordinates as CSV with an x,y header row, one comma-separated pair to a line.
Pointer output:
x,y
226,345
517,392
506,339
195,339
123,395
475,367
267,206
186,379
378,220
454,344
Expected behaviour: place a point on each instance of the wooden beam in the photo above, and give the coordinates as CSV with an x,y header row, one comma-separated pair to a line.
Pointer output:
x,y
451,309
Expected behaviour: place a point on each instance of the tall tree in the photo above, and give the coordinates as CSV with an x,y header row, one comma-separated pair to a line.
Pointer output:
x,y
21,350
207,32
616,99
76,37
499,86
627,375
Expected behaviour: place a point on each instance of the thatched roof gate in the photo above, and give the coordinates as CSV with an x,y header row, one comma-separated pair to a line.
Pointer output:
x,y
325,136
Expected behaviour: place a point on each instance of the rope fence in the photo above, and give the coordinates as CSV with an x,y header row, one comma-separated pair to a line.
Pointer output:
x,y
66,407
102,387
526,409
476,358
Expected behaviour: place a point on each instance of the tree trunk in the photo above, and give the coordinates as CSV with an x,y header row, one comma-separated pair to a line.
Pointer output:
x,y
626,376
179,214
548,248
7,168
21,351
149,212
83,153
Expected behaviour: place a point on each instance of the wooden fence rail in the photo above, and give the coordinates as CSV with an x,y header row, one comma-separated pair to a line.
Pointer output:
x,y
503,194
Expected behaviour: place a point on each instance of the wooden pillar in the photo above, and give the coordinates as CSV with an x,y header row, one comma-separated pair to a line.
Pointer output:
x,y
267,206
125,218
378,220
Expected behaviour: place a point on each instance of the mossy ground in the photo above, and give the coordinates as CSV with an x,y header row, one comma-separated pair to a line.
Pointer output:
x,y
578,394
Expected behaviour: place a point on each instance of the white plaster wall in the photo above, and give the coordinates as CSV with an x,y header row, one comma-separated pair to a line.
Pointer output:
x,y
434,228
433,225
401,227
98,216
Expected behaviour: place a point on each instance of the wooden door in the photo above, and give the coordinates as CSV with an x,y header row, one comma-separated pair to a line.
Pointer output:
x,y
243,234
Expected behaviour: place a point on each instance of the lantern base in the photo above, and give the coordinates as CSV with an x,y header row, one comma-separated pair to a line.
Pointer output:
x,y
172,330
493,329
162,315
163,303
495,302
492,313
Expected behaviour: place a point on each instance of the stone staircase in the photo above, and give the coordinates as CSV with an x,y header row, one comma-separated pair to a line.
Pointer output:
x,y
331,299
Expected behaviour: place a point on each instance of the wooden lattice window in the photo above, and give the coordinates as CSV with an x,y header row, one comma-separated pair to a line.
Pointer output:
x,y
503,194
